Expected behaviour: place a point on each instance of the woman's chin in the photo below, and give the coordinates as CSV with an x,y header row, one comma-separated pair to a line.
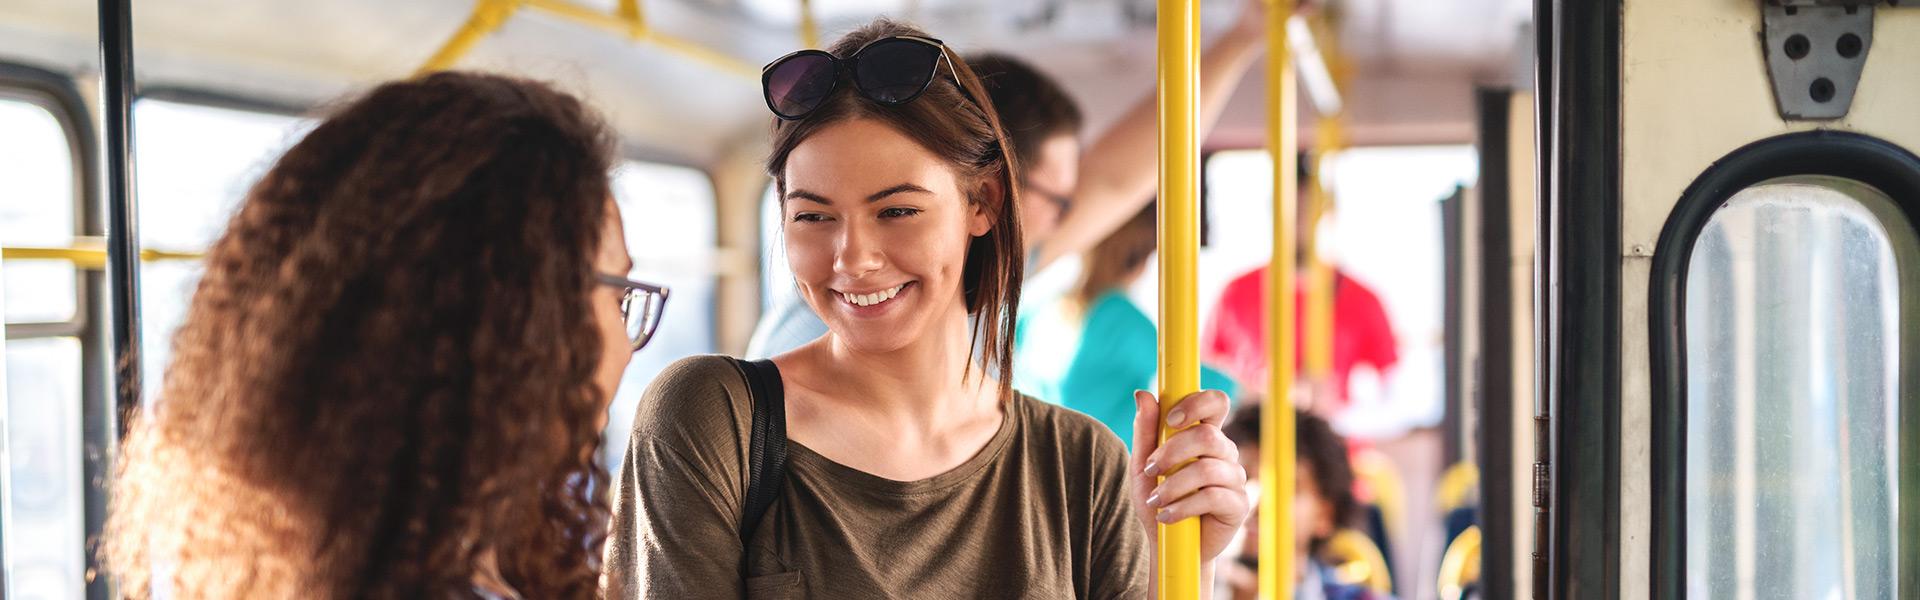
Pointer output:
x,y
868,338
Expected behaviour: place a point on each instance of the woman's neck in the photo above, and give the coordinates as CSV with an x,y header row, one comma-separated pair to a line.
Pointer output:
x,y
921,385
904,414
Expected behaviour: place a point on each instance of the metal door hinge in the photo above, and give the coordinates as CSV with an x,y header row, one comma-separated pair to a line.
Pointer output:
x,y
1815,51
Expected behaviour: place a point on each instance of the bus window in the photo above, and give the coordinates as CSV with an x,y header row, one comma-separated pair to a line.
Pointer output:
x,y
1792,349
195,163
43,519
671,228
36,209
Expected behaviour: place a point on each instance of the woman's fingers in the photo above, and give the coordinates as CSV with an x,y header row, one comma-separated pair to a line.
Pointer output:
x,y
1194,477
1200,441
1204,406
1146,429
1227,506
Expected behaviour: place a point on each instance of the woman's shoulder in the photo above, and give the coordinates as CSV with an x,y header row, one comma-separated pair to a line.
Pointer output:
x,y
1113,306
697,397
1068,429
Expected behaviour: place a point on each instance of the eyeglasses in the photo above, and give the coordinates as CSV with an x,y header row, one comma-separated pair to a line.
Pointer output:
x,y
1060,202
891,71
640,305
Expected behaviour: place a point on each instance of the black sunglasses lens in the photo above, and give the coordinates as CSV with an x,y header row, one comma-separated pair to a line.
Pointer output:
x,y
895,71
798,84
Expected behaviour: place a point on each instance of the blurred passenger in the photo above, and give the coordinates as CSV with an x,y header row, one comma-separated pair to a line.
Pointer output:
x,y
911,470
393,375
1090,349
1067,204
1236,338
1323,504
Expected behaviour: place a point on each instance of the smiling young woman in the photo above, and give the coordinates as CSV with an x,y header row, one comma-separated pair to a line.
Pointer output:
x,y
914,470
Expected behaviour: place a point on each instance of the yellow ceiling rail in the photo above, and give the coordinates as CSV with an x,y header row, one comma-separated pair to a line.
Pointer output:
x,y
1276,416
1178,548
487,17
626,20
88,253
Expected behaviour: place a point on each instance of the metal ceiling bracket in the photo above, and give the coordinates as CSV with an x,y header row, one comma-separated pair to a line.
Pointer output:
x,y
1815,50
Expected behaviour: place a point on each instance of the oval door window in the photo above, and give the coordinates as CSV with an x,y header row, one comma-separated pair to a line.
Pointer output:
x,y
1793,342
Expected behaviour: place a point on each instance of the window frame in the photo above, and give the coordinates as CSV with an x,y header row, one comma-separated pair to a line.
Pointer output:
x,y
1878,163
60,96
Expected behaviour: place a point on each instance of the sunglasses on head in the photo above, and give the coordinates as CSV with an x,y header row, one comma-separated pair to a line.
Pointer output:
x,y
891,71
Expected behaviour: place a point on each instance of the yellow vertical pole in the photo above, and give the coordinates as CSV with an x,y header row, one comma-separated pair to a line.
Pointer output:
x,y
809,28
1328,139
1178,553
1276,427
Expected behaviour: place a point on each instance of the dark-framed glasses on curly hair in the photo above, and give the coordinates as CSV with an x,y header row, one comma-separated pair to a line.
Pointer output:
x,y
641,305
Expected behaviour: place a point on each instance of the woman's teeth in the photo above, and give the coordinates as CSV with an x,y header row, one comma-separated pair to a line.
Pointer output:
x,y
873,298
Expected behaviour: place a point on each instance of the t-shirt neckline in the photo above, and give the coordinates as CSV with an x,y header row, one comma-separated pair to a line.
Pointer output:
x,y
801,455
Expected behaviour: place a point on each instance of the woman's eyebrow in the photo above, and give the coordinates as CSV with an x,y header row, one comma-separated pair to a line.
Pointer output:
x,y
904,188
798,194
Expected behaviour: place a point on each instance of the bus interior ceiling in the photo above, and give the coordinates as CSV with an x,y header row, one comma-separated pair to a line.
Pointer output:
x,y
1413,63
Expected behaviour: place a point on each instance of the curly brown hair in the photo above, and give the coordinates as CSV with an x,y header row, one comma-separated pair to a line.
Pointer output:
x,y
385,379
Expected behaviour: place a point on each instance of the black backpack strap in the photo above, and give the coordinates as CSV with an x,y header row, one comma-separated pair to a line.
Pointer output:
x,y
767,451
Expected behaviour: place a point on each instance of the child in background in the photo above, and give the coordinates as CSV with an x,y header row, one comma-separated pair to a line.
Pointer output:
x,y
1323,503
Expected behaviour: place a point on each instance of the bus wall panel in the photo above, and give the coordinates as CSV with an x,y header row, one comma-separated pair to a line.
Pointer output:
x,y
1694,87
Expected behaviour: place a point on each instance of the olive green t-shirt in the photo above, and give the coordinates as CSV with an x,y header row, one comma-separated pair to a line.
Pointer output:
x,y
1041,512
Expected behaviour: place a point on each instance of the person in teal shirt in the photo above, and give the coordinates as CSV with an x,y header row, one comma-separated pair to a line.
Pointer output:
x,y
1093,347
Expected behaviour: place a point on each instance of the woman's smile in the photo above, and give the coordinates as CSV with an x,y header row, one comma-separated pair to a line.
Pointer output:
x,y
873,303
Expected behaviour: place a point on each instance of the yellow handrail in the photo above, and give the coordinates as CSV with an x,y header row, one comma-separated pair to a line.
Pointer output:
x,y
1276,427
809,27
626,20
1329,136
1179,79
91,256
487,17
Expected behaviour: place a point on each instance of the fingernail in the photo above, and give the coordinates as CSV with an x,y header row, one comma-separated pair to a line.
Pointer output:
x,y
1177,418
1152,468
1154,500
1165,516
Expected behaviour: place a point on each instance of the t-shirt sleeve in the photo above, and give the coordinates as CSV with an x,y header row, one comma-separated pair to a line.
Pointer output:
x,y
1378,347
1234,339
677,497
1121,566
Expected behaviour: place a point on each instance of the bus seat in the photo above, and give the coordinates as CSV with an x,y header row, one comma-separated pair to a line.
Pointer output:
x,y
1460,566
1459,521
1357,561
1384,488
1459,488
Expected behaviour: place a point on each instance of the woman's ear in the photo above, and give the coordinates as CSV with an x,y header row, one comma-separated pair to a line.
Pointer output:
x,y
993,198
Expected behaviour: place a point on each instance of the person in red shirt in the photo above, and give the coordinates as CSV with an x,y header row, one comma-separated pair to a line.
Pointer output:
x,y
1236,338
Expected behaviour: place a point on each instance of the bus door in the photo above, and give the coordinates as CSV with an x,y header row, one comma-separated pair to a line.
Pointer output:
x,y
1732,299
